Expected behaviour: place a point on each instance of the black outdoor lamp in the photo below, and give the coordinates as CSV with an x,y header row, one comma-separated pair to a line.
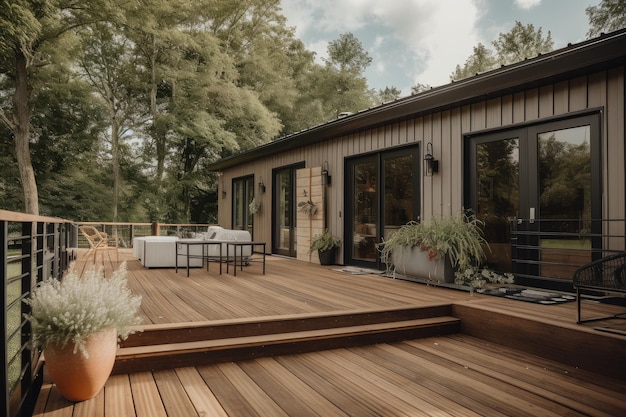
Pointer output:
x,y
221,175
325,174
261,186
431,165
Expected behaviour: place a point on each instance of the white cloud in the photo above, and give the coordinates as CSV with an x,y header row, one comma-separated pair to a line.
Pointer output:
x,y
423,39
527,4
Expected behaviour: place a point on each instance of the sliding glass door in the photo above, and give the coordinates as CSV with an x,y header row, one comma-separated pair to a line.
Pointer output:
x,y
382,194
243,193
284,211
544,183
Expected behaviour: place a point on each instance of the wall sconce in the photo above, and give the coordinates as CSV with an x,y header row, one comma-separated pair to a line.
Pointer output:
x,y
221,175
261,186
325,174
431,165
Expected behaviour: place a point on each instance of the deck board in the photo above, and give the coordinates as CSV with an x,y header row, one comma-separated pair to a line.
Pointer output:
x,y
456,375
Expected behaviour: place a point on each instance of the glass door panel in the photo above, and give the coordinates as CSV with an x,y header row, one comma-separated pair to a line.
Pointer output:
x,y
243,193
564,200
284,211
384,195
497,196
544,182
399,192
365,204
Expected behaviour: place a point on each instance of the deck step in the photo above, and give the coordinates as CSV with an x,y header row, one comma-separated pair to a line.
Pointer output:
x,y
225,329
193,353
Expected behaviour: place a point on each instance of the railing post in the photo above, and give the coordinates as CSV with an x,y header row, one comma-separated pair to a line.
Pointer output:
x,y
155,229
4,232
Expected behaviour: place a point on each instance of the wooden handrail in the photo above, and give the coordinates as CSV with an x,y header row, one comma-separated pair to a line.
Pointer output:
x,y
14,216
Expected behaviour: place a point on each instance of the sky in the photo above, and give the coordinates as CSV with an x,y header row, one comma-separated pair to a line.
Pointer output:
x,y
422,41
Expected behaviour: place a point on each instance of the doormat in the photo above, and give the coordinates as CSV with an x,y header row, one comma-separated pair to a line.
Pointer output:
x,y
358,271
530,295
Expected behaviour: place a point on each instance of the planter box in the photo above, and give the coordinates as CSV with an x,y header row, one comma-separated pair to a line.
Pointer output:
x,y
414,262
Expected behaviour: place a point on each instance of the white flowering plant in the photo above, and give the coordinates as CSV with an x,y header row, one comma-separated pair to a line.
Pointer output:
x,y
70,310
477,278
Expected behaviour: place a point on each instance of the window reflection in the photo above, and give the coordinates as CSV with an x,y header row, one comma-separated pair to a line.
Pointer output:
x,y
497,176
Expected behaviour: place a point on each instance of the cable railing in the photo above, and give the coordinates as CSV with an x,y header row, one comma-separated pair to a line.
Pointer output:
x,y
33,249
550,250
126,232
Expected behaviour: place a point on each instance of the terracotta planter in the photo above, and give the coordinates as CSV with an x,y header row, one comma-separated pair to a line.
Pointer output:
x,y
78,378
415,262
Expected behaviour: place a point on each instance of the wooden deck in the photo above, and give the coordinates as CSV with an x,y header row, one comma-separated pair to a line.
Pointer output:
x,y
475,372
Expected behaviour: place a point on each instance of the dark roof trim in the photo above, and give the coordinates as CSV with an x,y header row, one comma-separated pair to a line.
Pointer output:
x,y
585,57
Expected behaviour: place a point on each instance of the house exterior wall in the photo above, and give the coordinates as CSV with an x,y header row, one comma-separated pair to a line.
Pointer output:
x,y
442,193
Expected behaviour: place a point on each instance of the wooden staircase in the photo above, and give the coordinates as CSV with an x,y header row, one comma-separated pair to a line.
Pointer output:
x,y
198,343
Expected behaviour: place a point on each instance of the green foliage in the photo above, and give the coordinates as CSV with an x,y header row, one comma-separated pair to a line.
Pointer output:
x,y
324,242
128,102
346,54
519,43
608,16
482,60
307,207
477,277
458,237
70,310
388,94
419,87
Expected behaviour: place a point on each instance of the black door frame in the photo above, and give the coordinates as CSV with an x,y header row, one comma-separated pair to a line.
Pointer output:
x,y
528,252
349,181
292,251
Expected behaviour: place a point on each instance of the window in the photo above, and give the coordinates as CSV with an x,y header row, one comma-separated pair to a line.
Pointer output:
x,y
243,193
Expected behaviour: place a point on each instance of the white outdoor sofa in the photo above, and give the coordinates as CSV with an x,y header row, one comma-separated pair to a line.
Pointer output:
x,y
160,251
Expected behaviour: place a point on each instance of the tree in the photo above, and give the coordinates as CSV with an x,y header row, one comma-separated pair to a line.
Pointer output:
x,y
608,16
108,65
482,60
419,87
341,83
21,33
347,55
520,43
388,94
29,32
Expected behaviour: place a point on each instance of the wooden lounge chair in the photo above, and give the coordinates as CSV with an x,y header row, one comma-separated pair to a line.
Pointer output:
x,y
99,241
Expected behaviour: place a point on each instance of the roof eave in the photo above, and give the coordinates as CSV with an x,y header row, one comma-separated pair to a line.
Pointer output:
x,y
602,52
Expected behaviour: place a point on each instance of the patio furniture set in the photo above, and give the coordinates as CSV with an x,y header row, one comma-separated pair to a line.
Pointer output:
x,y
215,245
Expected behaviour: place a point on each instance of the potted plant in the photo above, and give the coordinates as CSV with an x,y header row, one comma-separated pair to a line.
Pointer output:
x,y
254,206
307,207
77,322
326,246
436,247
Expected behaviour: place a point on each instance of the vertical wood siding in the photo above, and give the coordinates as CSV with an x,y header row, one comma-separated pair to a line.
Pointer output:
x,y
442,194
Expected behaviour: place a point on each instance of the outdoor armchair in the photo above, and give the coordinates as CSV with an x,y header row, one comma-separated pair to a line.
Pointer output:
x,y
99,241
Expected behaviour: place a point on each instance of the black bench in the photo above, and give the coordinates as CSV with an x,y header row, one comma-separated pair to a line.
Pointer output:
x,y
607,274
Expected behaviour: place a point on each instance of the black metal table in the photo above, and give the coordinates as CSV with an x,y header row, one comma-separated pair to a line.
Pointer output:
x,y
205,252
239,257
